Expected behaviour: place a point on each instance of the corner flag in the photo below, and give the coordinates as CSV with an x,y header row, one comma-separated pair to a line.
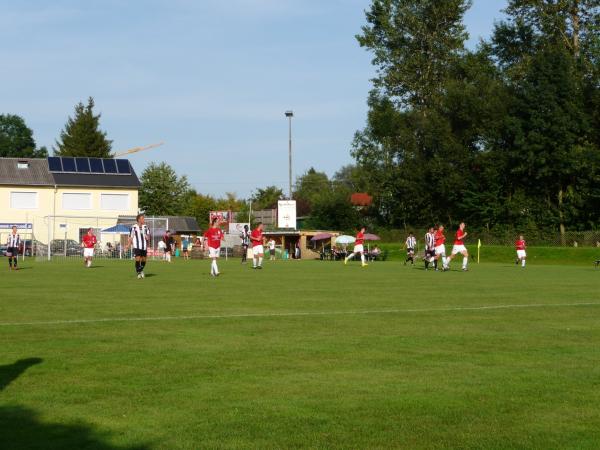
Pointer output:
x,y
478,247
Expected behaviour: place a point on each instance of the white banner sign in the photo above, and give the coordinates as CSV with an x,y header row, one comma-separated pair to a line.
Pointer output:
x,y
286,214
236,228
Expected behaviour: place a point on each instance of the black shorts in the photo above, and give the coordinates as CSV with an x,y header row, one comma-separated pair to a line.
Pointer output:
x,y
12,251
410,251
272,252
141,253
430,253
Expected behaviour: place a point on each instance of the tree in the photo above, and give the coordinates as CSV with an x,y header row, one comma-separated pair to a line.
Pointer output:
x,y
266,198
334,211
163,193
16,139
413,42
311,186
82,135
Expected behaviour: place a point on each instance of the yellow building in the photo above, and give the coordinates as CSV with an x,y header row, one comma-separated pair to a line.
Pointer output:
x,y
60,198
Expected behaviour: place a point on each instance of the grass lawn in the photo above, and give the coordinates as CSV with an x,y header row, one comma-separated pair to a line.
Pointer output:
x,y
299,355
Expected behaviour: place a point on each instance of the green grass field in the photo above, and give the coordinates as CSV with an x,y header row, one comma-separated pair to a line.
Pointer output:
x,y
299,355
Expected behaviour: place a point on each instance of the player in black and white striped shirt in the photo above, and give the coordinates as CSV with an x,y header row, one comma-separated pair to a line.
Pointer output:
x,y
138,240
12,250
430,248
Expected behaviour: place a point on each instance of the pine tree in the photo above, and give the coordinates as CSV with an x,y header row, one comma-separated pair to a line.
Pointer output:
x,y
82,135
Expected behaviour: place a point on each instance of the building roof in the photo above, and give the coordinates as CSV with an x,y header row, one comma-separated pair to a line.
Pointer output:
x,y
177,224
35,172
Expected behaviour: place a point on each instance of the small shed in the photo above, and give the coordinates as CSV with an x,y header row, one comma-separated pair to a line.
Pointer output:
x,y
287,240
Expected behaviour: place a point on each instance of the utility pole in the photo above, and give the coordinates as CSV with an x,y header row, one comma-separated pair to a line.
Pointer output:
x,y
289,115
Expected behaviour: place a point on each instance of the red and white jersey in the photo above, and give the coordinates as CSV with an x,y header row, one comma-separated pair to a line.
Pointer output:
x,y
520,244
360,238
439,238
460,237
256,237
214,236
89,241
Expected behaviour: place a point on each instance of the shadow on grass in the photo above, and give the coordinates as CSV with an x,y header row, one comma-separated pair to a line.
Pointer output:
x,y
11,372
21,428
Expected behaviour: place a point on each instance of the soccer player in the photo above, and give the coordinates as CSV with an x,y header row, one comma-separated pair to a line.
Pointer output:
x,y
256,237
358,248
521,245
429,248
271,245
169,245
410,244
138,239
459,247
213,237
88,243
12,248
440,248
245,243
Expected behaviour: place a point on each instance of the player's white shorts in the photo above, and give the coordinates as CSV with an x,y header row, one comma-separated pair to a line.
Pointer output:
x,y
359,248
88,252
258,250
458,249
214,252
440,250
521,254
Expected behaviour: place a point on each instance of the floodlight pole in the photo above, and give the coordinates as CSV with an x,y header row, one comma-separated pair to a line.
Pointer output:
x,y
289,115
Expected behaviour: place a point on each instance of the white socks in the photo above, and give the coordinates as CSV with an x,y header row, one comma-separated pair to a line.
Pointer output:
x,y
260,260
362,258
465,262
444,261
214,270
522,263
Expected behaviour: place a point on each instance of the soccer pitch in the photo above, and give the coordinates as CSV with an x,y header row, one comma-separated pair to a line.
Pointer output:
x,y
299,355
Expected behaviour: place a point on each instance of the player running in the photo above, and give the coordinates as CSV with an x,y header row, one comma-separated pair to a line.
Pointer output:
x,y
213,237
12,249
358,248
88,243
440,248
521,246
429,248
410,244
459,247
258,252
138,239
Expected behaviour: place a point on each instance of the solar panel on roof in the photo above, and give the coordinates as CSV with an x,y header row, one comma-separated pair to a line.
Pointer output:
x,y
68,165
110,166
54,164
96,165
83,165
123,166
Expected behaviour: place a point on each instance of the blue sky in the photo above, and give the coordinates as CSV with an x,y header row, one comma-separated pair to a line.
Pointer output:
x,y
210,78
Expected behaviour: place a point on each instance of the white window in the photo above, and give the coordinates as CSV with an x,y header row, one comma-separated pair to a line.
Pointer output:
x,y
76,200
114,202
24,200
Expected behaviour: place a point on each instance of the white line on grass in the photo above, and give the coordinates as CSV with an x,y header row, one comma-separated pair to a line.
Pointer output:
x,y
296,314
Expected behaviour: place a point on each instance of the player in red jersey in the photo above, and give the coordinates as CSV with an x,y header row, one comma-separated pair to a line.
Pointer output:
x,y
258,252
358,248
521,246
213,237
440,248
88,243
459,247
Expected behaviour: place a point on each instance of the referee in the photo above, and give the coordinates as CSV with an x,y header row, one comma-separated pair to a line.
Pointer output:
x,y
138,239
12,250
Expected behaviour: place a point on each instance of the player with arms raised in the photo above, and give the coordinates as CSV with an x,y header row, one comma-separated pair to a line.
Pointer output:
x,y
213,237
521,247
88,243
459,247
358,248
138,239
